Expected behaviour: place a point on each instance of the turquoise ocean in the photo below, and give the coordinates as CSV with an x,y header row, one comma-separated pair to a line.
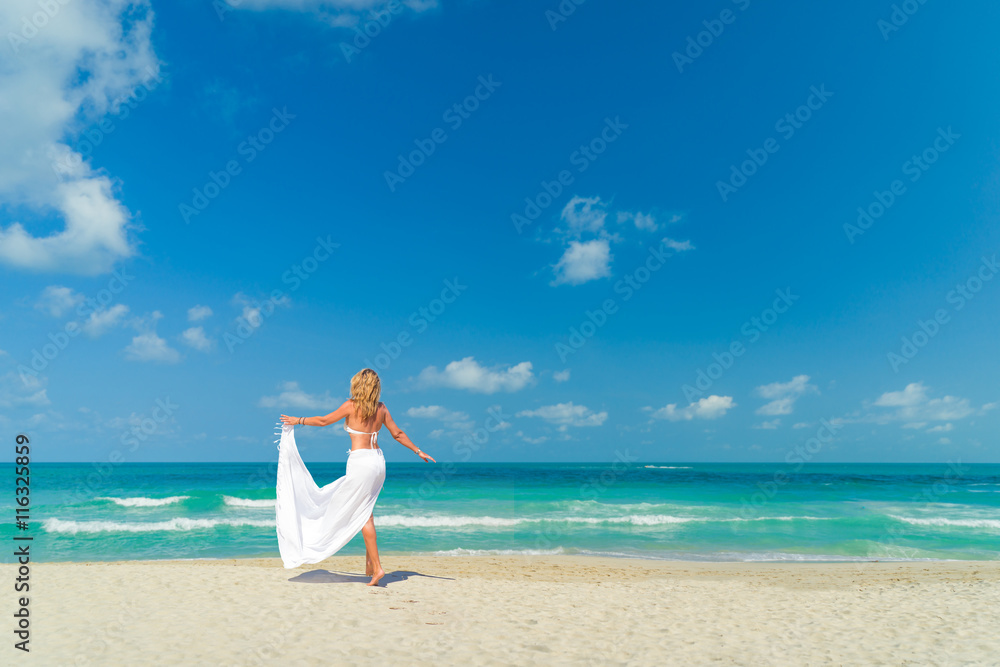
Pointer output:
x,y
684,511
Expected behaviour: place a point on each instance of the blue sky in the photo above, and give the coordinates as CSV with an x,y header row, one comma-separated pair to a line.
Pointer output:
x,y
555,226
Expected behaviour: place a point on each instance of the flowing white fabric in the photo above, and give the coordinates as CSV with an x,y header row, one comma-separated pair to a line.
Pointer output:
x,y
314,523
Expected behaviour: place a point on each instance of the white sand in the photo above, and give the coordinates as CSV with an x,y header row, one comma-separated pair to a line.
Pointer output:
x,y
511,610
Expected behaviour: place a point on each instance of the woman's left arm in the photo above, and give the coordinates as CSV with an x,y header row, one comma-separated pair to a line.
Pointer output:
x,y
325,420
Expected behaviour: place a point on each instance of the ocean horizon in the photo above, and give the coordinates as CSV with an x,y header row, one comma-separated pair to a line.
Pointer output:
x,y
658,510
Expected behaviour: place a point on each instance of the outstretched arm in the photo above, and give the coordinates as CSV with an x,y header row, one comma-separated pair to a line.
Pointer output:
x,y
325,420
402,439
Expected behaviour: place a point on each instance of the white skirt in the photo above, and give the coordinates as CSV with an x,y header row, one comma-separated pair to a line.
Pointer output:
x,y
314,523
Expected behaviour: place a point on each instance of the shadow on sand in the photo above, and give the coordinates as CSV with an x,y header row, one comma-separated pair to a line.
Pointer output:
x,y
328,577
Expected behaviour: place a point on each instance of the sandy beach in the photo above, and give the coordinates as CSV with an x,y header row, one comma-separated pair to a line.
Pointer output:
x,y
479,610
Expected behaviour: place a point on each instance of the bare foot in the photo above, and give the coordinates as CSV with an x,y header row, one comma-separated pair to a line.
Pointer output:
x,y
379,573
369,570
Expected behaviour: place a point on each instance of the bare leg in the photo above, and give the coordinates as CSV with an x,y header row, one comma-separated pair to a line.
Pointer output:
x,y
371,547
369,570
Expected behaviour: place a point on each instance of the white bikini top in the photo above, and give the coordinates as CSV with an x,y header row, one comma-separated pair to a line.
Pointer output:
x,y
373,434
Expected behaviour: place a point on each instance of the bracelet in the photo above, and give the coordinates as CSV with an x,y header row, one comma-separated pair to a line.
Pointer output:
x,y
302,420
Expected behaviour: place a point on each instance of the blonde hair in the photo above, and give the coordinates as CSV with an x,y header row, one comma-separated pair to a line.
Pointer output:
x,y
365,390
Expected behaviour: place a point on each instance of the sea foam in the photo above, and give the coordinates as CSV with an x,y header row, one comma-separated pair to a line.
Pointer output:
x,y
233,501
181,524
941,521
141,501
458,521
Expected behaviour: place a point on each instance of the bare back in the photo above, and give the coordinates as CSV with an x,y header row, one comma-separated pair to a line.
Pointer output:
x,y
363,439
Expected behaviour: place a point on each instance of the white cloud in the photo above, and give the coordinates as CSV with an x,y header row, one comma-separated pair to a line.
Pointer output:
x,y
561,376
587,254
914,394
196,338
198,313
567,414
646,222
58,300
583,262
101,321
150,347
529,440
468,374
912,404
784,395
941,428
584,214
769,425
292,396
710,407
73,71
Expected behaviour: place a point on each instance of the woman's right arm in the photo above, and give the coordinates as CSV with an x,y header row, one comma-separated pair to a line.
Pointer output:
x,y
402,438
325,420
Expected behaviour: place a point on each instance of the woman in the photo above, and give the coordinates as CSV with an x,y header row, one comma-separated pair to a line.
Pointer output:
x,y
313,522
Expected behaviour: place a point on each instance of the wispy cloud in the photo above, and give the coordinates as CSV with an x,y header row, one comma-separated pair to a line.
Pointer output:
x,y
198,313
584,214
22,390
101,321
58,300
587,253
452,418
531,441
567,414
196,338
252,311
677,245
710,407
343,13
292,396
913,405
784,395
148,346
